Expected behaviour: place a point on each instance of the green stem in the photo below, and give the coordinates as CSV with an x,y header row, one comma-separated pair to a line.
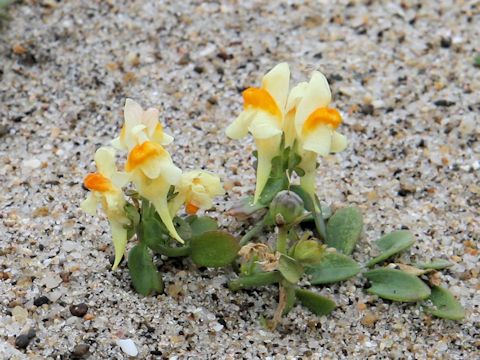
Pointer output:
x,y
260,279
171,251
282,239
254,231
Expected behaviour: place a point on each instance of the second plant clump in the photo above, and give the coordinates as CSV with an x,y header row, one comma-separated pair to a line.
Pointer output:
x,y
310,244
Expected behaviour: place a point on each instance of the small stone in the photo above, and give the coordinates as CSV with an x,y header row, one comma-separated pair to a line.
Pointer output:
x,y
367,109
4,129
443,103
42,300
80,351
19,314
445,42
52,282
88,317
31,163
19,49
127,346
79,310
199,69
369,320
22,341
184,60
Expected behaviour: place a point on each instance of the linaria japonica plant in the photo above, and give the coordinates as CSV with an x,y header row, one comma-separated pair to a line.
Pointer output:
x,y
160,189
291,129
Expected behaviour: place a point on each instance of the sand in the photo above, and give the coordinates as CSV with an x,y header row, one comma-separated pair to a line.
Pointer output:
x,y
403,76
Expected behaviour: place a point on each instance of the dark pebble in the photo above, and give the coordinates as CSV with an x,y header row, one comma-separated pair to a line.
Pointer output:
x,y
224,56
445,42
22,341
42,300
184,60
4,129
199,69
444,103
318,55
80,350
367,109
79,310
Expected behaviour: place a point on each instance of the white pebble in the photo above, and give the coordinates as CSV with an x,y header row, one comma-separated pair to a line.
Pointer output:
x,y
31,163
127,346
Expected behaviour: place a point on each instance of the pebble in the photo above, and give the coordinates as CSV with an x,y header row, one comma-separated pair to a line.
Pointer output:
x,y
42,300
80,351
128,346
79,310
51,282
22,341
20,314
31,163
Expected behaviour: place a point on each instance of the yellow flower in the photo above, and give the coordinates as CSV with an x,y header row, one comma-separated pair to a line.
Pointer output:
x,y
196,190
153,172
139,127
315,125
263,117
105,187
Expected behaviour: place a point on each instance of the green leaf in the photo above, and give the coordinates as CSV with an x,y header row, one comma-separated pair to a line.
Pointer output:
x,y
397,285
201,224
333,267
344,229
145,277
183,228
214,249
317,304
392,244
445,305
273,186
255,280
310,206
437,264
291,269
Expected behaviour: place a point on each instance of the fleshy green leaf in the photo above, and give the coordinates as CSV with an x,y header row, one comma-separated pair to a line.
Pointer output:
x,y
437,264
291,269
214,249
392,244
396,285
317,304
201,224
445,305
344,229
145,277
183,228
333,267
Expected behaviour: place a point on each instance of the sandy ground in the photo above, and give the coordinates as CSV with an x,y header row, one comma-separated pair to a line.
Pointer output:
x,y
403,76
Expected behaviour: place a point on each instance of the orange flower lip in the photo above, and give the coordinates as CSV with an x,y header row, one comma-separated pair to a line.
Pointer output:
x,y
142,153
322,116
97,182
260,99
191,209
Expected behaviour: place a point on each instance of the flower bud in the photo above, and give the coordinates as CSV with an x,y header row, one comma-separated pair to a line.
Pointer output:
x,y
286,207
309,251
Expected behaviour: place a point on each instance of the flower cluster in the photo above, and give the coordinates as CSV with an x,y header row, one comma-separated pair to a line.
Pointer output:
x,y
291,128
149,167
302,116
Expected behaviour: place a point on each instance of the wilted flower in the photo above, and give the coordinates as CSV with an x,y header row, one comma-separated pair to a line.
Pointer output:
x,y
263,116
153,172
105,189
196,190
140,126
